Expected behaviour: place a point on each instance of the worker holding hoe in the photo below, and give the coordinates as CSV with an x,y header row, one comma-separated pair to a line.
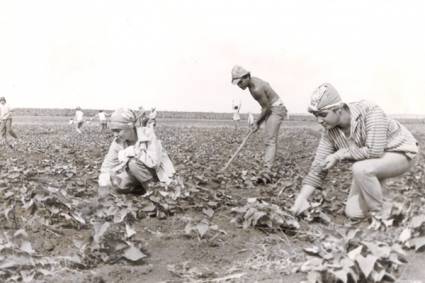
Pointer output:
x,y
379,146
135,157
272,114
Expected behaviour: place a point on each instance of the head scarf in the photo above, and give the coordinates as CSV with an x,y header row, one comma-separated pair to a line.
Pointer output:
x,y
122,118
324,97
237,73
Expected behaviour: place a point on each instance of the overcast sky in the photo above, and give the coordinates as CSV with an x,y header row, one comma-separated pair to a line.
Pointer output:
x,y
177,55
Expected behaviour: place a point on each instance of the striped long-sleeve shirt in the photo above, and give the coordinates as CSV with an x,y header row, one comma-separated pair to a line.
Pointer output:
x,y
372,133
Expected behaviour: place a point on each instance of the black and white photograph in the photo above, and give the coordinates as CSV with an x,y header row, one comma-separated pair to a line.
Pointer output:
x,y
212,141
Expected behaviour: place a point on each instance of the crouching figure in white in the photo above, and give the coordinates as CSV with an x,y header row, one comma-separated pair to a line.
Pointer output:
x,y
135,157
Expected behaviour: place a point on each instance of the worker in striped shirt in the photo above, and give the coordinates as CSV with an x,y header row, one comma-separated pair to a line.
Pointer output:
x,y
379,146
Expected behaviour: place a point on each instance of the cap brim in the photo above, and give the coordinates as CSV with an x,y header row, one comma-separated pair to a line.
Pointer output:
x,y
235,81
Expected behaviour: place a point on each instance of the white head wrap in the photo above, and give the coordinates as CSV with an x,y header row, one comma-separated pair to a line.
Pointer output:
x,y
323,98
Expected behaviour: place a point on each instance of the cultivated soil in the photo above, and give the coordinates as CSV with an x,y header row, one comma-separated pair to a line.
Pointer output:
x,y
208,226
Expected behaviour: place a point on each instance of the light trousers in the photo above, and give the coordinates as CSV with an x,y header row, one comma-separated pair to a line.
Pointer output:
x,y
366,189
134,177
272,126
6,128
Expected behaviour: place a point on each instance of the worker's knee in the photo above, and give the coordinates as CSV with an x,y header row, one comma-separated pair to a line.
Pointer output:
x,y
361,170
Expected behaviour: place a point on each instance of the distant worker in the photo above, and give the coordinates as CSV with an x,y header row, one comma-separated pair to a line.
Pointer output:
x,y
142,116
6,122
152,117
250,120
236,117
79,119
272,113
102,120
135,157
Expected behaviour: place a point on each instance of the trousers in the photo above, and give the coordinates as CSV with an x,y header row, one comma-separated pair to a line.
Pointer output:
x,y
366,193
272,126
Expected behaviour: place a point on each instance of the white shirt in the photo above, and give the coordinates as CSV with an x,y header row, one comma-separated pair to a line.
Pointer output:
x,y
4,112
79,116
102,116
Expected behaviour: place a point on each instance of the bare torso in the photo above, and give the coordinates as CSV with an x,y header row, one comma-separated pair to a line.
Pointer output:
x,y
262,92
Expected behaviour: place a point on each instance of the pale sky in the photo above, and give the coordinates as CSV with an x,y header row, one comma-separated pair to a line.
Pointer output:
x,y
178,54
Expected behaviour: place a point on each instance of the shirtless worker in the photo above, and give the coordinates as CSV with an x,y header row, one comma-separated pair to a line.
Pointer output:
x,y
273,111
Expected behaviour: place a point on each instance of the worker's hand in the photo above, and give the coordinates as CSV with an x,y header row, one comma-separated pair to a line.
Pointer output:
x,y
329,162
301,204
254,127
104,180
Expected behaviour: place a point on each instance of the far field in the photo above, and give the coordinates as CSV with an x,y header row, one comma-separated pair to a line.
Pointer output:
x,y
208,226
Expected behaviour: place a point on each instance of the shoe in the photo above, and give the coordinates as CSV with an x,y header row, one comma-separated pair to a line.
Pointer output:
x,y
264,178
138,191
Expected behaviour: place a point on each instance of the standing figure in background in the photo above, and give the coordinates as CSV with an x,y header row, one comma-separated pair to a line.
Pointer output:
x,y
79,119
236,117
250,120
102,120
272,114
6,121
152,117
142,116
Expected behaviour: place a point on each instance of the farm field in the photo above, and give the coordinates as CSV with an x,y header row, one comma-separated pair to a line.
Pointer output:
x,y
205,227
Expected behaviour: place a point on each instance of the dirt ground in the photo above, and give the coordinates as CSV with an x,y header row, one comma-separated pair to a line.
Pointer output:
x,y
187,233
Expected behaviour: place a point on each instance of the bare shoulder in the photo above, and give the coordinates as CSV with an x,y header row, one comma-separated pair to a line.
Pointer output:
x,y
260,86
259,83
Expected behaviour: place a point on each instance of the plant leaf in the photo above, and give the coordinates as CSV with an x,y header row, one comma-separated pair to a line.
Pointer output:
x,y
418,243
417,221
26,247
133,254
405,235
99,230
202,228
366,264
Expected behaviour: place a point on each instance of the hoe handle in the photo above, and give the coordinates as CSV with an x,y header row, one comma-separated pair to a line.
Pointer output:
x,y
237,151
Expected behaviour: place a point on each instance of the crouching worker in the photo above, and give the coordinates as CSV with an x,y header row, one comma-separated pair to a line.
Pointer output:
x,y
135,157
379,146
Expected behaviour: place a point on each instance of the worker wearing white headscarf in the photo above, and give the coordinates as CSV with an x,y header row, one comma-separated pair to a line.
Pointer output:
x,y
135,156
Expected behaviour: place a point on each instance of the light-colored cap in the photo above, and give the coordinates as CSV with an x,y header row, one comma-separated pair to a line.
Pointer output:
x,y
122,118
323,98
237,73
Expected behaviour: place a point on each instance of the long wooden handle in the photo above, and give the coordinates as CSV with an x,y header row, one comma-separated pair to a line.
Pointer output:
x,y
237,151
